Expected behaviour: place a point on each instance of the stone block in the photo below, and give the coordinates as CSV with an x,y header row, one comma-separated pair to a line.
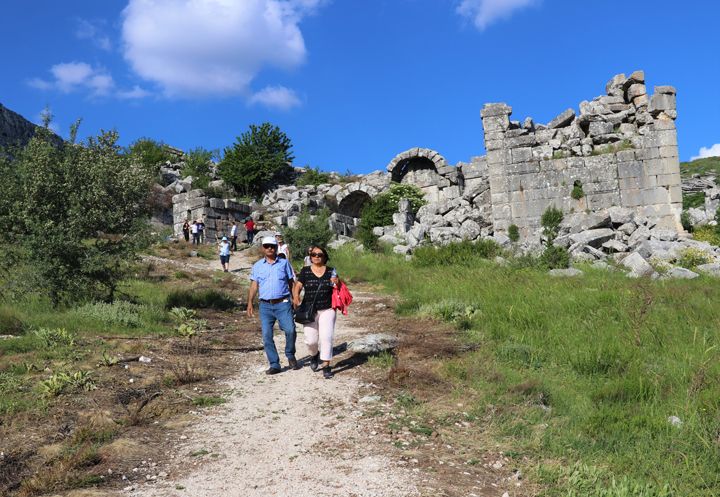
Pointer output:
x,y
524,167
666,90
631,197
631,169
602,200
668,165
499,198
657,195
496,157
562,120
496,124
522,154
662,102
499,184
636,90
668,179
594,238
676,192
666,138
669,152
630,183
542,152
495,109
521,141
662,124
641,101
638,266
598,128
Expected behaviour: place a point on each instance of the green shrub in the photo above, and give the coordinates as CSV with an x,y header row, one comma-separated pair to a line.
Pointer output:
x,y
691,257
309,230
198,163
208,401
696,199
577,191
199,299
707,234
513,233
10,323
55,337
313,176
457,253
117,313
554,257
550,221
62,382
379,211
151,153
686,221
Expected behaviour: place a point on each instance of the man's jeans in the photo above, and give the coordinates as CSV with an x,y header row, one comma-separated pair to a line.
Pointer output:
x,y
282,312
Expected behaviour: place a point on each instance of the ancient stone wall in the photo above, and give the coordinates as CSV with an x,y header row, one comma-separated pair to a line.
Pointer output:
x,y
620,151
217,213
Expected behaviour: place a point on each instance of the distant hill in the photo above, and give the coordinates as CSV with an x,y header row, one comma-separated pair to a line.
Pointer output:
x,y
15,130
709,165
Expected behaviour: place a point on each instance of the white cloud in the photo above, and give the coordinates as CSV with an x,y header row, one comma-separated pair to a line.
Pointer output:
x,y
484,12
79,76
93,31
213,47
277,97
134,94
712,151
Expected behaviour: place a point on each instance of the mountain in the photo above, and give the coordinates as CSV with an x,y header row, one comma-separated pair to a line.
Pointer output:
x,y
15,130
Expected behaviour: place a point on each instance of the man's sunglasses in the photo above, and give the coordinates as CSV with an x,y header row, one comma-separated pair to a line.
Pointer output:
x,y
267,245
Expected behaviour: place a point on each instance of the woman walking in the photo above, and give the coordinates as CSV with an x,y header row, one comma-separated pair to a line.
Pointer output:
x,y
318,280
283,249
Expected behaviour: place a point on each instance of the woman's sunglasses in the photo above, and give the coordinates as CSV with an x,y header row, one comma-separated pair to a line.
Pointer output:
x,y
316,254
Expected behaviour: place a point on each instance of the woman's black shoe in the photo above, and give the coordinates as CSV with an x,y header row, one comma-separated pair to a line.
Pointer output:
x,y
327,373
314,362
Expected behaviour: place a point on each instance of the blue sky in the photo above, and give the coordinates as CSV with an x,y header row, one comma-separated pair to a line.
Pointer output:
x,y
352,83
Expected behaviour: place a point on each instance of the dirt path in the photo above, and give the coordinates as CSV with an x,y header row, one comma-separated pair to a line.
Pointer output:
x,y
290,434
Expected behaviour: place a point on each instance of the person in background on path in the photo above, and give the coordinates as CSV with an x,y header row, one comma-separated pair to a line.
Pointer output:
x,y
233,236
224,251
283,249
186,230
272,280
201,230
307,260
318,280
250,229
195,233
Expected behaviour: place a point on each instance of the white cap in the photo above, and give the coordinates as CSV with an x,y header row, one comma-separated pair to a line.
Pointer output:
x,y
269,240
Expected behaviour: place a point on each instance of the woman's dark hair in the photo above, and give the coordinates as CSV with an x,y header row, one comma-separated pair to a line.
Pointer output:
x,y
326,257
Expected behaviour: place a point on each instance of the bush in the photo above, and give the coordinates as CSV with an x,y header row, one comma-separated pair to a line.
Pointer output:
x,y
117,313
309,230
256,158
198,163
199,299
696,199
577,191
465,253
379,211
55,337
10,323
686,221
690,258
550,221
513,233
314,177
151,153
707,234
75,214
555,257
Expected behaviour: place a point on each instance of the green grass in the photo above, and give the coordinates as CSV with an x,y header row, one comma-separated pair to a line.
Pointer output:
x,y
579,370
208,401
700,166
693,200
199,299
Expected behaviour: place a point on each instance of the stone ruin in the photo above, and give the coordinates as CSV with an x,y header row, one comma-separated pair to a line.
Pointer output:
x,y
620,151
613,170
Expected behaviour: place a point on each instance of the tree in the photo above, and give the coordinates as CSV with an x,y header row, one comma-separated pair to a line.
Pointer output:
x,y
198,163
309,230
258,156
149,152
75,215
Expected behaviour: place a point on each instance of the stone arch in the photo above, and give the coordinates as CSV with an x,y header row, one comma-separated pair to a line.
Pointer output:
x,y
415,159
352,204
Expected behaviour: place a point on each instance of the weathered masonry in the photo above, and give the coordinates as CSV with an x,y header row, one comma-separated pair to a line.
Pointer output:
x,y
620,151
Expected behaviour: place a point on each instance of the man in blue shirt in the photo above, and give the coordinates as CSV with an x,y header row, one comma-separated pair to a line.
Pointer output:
x,y
272,278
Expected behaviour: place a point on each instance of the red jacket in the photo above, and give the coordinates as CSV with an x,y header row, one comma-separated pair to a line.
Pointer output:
x,y
341,297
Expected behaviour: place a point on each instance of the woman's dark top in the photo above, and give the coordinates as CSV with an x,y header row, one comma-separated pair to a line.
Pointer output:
x,y
314,285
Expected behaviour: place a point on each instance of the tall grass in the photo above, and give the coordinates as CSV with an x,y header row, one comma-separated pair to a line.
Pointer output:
x,y
583,370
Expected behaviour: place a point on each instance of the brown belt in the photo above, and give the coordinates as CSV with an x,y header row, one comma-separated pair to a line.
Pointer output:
x,y
275,301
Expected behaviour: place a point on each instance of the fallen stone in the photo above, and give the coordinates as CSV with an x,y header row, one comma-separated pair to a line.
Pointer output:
x,y
614,246
369,399
562,120
681,273
638,266
621,215
594,238
373,344
712,269
564,273
582,222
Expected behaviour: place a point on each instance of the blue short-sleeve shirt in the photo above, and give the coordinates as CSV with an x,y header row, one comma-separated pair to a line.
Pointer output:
x,y
272,279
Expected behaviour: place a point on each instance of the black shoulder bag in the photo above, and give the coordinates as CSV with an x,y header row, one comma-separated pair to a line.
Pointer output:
x,y
305,314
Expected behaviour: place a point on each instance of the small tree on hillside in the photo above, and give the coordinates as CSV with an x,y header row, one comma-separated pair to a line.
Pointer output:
x,y
151,153
553,256
75,215
255,158
198,162
309,230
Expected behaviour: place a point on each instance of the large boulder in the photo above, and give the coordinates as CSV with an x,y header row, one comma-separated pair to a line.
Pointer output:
x,y
638,266
593,237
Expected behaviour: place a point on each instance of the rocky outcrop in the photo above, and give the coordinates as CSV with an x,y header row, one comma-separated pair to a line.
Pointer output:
x,y
16,131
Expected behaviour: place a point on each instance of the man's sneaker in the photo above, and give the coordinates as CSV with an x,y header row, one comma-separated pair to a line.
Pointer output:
x,y
272,371
327,373
293,364
315,362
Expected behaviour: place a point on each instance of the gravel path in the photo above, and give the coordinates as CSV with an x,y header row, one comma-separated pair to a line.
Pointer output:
x,y
292,434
